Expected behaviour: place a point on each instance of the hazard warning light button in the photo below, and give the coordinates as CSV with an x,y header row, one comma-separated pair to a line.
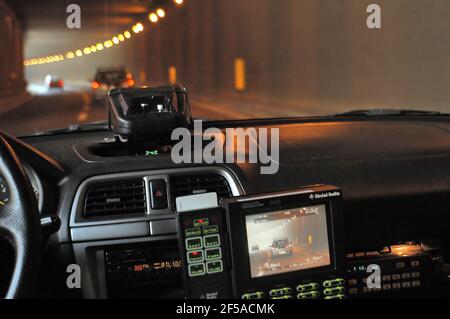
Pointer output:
x,y
158,194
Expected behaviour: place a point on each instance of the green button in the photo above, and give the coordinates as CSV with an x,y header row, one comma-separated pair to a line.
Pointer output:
x,y
308,295
196,270
213,253
195,256
308,287
210,230
336,297
282,297
214,267
255,295
194,243
333,291
191,232
333,283
201,222
211,241
280,292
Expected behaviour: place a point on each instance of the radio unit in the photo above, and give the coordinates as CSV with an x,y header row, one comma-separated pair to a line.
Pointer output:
x,y
285,245
403,268
152,269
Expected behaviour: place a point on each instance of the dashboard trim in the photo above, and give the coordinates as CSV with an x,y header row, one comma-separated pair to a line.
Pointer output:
x,y
157,222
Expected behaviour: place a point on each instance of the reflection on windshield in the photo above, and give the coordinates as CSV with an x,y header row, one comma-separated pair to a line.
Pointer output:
x,y
238,59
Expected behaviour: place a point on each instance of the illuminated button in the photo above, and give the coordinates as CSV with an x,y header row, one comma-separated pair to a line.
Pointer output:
x,y
352,282
192,232
196,270
201,222
416,283
406,275
254,295
282,297
307,287
214,267
334,283
386,278
195,256
211,241
387,287
309,295
415,274
415,263
213,253
210,230
400,265
396,277
194,243
406,284
340,296
280,292
333,291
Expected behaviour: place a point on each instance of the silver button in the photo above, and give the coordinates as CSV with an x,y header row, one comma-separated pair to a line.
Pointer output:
x,y
406,284
406,275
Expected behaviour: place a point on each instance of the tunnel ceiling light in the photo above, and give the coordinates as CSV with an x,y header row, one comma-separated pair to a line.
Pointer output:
x,y
161,13
153,17
96,48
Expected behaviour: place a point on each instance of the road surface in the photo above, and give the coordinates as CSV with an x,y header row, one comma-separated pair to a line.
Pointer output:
x,y
262,264
51,109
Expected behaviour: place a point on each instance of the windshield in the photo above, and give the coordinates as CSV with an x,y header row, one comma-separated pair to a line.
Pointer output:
x,y
238,59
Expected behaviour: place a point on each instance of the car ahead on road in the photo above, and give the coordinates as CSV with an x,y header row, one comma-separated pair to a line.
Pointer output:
x,y
281,247
110,78
54,82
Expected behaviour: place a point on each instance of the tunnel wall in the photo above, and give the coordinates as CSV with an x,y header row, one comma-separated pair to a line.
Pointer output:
x,y
316,53
12,82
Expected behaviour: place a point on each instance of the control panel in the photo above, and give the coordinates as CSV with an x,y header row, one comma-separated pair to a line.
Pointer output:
x,y
403,268
204,254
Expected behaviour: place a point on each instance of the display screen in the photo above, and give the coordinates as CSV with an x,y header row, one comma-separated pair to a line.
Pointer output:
x,y
286,241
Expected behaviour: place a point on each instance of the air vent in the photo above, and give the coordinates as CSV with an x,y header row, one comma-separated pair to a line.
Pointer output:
x,y
199,184
116,198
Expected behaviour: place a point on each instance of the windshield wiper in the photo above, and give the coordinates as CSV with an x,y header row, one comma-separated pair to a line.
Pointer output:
x,y
389,112
96,126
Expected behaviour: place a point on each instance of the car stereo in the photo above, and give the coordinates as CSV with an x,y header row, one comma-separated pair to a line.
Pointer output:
x,y
285,245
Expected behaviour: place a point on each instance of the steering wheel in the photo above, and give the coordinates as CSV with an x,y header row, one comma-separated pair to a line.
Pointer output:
x,y
20,225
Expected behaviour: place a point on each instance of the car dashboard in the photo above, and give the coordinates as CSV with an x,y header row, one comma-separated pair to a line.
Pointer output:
x,y
394,175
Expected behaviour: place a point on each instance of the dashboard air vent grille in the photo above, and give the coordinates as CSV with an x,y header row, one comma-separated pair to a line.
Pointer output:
x,y
199,184
116,198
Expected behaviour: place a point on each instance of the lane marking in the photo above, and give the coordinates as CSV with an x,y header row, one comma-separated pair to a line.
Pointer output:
x,y
83,116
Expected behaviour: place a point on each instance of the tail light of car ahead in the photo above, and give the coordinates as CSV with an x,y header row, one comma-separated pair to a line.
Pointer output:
x,y
95,85
129,83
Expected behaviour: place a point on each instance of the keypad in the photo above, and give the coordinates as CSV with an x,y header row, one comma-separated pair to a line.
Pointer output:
x,y
204,251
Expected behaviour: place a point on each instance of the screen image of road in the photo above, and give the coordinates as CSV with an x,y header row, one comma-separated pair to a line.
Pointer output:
x,y
287,241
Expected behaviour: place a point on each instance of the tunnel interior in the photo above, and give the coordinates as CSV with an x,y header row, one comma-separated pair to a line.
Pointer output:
x,y
239,59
